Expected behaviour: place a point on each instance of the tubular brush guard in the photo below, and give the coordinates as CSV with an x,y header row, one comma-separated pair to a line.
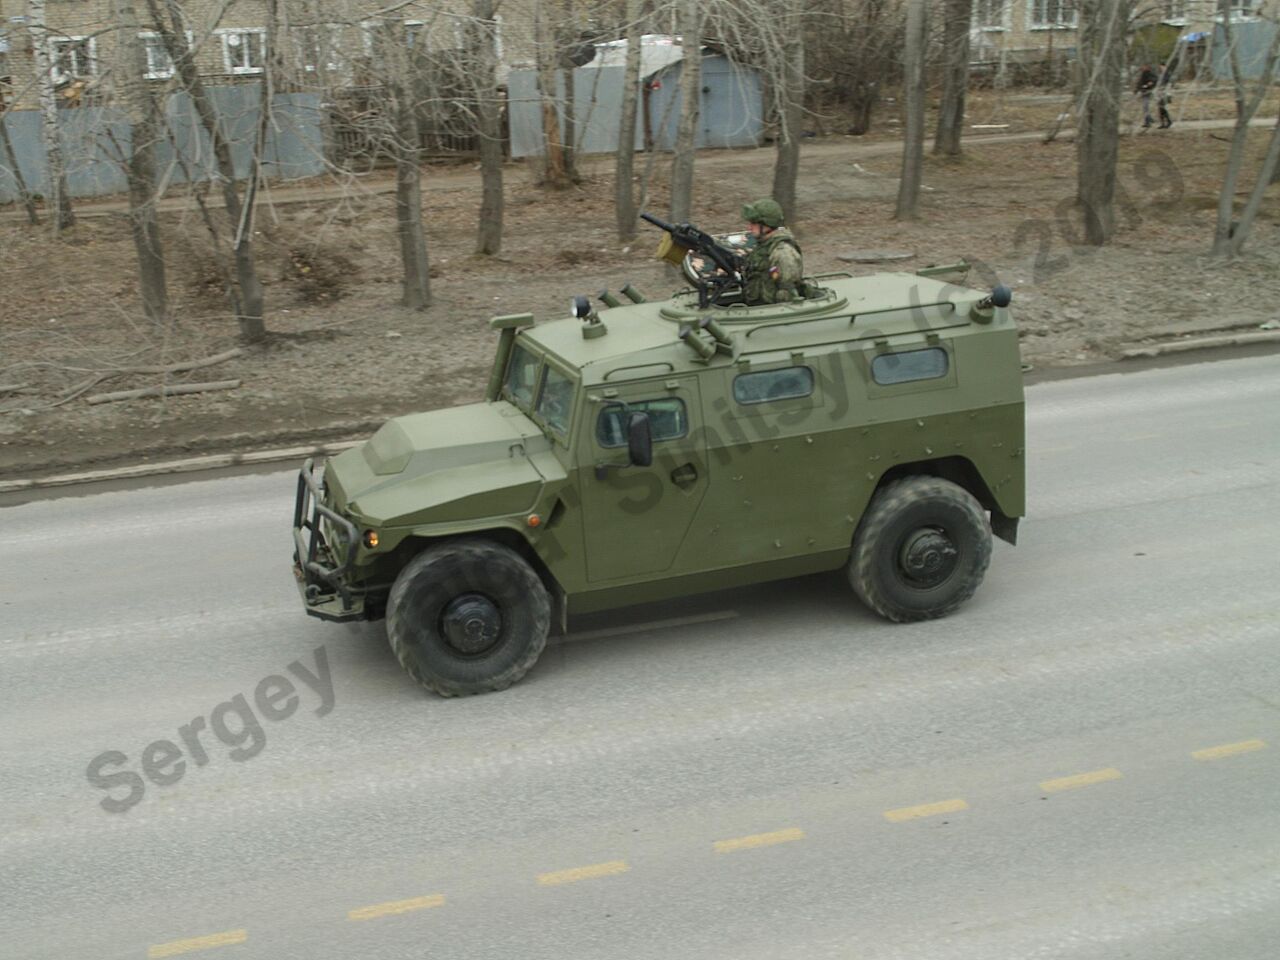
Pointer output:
x,y
322,580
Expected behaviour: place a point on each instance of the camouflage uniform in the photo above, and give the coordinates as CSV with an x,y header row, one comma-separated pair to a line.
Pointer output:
x,y
773,269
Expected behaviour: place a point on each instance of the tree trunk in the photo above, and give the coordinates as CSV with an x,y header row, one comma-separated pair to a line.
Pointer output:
x,y
489,123
955,77
624,198
1229,236
913,86
28,201
59,201
246,298
554,172
400,82
1102,53
1266,176
145,120
790,99
690,24
570,127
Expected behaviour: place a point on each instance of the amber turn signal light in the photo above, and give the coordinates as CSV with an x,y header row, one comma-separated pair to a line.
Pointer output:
x,y
370,538
534,520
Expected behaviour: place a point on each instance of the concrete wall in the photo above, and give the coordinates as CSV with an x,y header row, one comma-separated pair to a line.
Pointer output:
x,y
95,141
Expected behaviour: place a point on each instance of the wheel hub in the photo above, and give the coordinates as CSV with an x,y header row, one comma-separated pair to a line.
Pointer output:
x,y
471,624
928,557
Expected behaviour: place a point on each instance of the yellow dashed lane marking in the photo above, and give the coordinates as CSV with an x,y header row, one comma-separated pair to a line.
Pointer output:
x,y
583,873
759,840
1080,780
392,907
925,810
1228,749
175,947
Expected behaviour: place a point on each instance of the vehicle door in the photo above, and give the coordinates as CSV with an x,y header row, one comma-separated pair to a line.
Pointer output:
x,y
636,518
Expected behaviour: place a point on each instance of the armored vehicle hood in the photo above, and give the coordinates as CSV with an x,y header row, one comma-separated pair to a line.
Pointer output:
x,y
458,456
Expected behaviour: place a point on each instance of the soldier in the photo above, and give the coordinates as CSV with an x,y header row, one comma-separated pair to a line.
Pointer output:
x,y
773,271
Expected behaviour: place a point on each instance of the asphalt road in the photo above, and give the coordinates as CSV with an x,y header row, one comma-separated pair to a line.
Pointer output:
x,y
1082,763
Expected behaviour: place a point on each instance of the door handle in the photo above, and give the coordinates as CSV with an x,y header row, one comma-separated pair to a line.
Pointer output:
x,y
685,476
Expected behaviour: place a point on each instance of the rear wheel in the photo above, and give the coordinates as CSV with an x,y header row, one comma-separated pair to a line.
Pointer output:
x,y
468,616
921,549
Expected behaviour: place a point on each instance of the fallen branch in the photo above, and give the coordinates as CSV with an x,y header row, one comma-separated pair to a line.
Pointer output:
x,y
170,391
12,387
180,367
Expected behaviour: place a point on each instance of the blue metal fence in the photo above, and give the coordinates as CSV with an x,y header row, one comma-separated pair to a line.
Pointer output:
x,y
96,141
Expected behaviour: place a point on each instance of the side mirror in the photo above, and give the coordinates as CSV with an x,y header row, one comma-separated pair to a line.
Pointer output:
x,y
639,440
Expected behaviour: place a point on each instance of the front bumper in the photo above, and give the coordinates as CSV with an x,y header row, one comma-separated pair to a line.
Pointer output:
x,y
324,553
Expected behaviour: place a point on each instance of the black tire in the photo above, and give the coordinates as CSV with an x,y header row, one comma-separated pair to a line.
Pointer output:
x,y
921,549
472,594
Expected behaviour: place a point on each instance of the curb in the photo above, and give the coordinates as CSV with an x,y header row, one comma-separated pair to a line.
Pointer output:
x,y
1201,343
189,465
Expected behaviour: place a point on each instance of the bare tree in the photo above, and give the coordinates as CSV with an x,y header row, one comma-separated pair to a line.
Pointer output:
x,y
166,18
789,86
555,173
484,58
908,207
146,122
1102,52
624,169
690,24
1229,235
395,59
59,196
955,77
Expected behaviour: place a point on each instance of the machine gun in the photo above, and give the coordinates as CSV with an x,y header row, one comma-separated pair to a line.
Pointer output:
x,y
685,238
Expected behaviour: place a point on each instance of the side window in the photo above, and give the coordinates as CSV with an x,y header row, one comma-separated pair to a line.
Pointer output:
x,y
521,371
555,402
668,420
767,385
927,364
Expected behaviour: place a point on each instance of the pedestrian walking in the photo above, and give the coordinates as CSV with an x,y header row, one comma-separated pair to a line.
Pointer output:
x,y
1147,82
1164,95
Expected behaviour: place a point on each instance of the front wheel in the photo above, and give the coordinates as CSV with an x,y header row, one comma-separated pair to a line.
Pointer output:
x,y
921,549
468,616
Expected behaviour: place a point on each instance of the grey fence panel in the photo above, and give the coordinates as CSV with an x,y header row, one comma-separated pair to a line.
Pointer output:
x,y
731,113
1252,40
97,139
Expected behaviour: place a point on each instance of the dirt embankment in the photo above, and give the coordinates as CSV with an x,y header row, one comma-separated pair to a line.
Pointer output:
x,y
343,355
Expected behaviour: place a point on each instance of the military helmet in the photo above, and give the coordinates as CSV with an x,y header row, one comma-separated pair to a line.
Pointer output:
x,y
767,211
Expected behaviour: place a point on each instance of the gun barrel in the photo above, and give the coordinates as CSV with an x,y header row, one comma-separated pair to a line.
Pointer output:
x,y
660,224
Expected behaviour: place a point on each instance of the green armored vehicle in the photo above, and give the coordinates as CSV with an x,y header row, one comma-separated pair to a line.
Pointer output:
x,y
657,449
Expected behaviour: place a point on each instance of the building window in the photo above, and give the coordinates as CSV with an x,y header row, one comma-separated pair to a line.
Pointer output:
x,y
1175,11
159,66
244,50
318,47
73,57
990,14
412,33
1052,14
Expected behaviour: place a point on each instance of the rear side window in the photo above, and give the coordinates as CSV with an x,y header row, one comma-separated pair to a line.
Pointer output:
x,y
910,365
668,420
767,385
